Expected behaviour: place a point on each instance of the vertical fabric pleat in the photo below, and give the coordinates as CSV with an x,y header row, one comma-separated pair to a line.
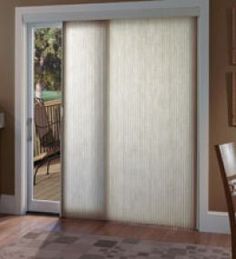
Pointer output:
x,y
130,108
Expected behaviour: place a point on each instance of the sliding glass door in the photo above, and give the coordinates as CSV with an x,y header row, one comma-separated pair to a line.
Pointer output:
x,y
44,117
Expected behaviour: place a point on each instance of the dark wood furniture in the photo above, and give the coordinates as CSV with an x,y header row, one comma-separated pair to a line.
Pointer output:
x,y
227,158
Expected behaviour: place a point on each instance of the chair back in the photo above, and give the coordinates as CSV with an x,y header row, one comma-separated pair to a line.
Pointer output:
x,y
42,125
227,153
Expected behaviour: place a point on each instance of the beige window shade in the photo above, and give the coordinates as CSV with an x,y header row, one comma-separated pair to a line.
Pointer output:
x,y
85,78
130,120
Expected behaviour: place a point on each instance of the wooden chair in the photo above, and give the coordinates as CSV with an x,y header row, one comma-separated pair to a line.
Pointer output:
x,y
227,158
48,141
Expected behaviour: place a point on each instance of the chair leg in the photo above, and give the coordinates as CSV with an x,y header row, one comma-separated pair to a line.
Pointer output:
x,y
50,160
48,165
35,174
233,253
233,244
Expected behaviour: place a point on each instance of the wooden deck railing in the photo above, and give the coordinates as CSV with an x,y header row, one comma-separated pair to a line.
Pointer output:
x,y
54,116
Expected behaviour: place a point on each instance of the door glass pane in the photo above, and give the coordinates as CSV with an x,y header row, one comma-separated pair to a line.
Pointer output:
x,y
47,79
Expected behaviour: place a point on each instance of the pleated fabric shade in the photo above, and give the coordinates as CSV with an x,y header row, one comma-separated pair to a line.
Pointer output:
x,y
130,113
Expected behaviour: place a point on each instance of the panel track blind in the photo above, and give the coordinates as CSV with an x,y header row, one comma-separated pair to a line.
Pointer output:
x,y
129,134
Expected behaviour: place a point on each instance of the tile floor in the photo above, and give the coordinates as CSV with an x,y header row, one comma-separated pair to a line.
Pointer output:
x,y
65,245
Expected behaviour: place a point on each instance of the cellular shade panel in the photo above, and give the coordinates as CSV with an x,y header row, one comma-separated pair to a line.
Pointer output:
x,y
152,121
85,78
130,90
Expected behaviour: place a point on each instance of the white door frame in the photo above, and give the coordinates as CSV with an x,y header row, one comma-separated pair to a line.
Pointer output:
x,y
33,204
206,221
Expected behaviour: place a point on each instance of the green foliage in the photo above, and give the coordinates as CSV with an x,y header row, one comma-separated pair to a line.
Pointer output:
x,y
48,57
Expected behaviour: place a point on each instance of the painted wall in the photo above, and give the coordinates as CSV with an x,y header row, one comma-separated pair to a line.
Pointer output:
x,y
220,67
220,131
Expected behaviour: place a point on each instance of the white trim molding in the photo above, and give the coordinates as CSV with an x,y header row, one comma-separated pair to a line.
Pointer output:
x,y
106,11
20,113
206,221
216,222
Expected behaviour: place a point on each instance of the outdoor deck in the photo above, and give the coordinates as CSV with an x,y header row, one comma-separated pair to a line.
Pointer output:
x,y
48,187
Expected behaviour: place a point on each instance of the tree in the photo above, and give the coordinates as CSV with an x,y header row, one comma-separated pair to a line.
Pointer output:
x,y
48,57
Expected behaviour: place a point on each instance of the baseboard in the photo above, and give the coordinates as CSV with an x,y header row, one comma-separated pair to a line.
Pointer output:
x,y
8,204
215,222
